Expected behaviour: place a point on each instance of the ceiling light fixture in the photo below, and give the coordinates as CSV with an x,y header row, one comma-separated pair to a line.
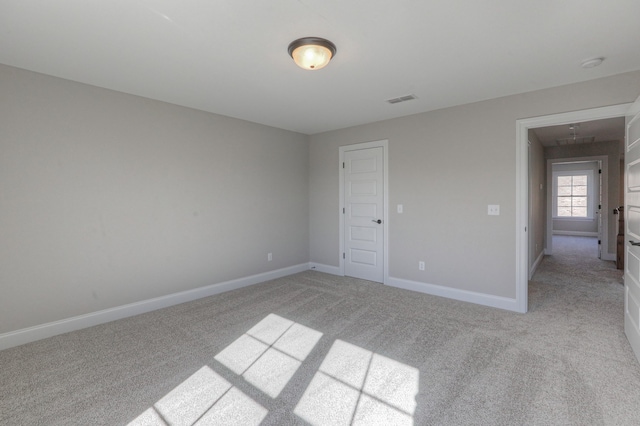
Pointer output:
x,y
592,63
312,53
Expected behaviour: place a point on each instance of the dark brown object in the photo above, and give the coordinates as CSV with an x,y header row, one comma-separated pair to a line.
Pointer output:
x,y
620,239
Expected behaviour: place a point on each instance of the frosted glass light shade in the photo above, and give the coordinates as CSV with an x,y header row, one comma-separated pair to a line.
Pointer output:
x,y
312,53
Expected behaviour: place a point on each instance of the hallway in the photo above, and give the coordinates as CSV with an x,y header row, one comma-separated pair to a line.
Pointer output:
x,y
574,278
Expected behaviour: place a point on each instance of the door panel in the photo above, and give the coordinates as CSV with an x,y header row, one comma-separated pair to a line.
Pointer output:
x,y
363,210
364,201
632,231
363,257
633,225
363,234
633,268
634,175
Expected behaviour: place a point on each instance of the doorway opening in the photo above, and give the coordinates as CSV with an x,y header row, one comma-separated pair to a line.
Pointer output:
x,y
578,199
525,243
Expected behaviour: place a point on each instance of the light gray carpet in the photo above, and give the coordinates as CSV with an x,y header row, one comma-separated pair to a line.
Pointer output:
x,y
566,362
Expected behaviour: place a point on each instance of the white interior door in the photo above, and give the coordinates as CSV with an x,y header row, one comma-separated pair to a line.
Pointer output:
x,y
632,231
363,214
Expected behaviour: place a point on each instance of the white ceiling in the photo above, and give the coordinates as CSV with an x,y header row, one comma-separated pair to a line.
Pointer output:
x,y
611,129
230,57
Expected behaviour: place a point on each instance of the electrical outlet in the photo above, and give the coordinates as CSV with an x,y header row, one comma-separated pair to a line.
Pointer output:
x,y
269,257
421,265
493,210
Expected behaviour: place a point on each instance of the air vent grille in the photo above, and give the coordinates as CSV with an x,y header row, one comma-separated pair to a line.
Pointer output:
x,y
402,99
575,140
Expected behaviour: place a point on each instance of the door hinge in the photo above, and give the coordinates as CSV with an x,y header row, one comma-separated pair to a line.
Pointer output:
x,y
600,171
599,242
599,206
343,210
343,256
343,164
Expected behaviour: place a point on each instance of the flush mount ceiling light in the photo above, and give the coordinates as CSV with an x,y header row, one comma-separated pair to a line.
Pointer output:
x,y
312,53
592,63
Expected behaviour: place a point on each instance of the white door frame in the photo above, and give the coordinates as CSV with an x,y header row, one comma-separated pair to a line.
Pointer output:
x,y
522,181
384,144
603,212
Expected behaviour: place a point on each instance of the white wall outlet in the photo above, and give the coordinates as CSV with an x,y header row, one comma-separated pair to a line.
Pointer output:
x,y
421,265
400,208
493,210
269,257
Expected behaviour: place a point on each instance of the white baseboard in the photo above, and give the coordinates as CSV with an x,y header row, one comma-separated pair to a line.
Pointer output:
x,y
333,270
436,290
576,233
536,264
456,294
42,331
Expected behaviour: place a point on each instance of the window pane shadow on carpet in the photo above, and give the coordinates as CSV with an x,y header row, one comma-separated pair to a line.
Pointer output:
x,y
313,348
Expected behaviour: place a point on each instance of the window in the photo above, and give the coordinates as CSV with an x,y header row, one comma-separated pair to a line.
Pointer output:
x,y
573,194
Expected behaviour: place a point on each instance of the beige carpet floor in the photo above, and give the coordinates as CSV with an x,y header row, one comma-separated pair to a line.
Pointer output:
x,y
319,349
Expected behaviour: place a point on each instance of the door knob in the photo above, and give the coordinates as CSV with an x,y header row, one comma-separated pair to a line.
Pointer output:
x,y
379,221
633,243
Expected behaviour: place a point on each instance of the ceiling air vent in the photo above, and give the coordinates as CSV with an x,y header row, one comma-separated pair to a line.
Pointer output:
x,y
575,140
402,99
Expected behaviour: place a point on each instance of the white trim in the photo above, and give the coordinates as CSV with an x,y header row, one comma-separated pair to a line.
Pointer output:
x,y
384,144
604,189
522,216
456,294
608,256
576,233
535,265
333,270
591,195
522,179
42,331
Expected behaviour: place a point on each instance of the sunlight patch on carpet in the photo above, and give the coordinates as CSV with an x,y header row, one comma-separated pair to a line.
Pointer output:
x,y
357,386
270,353
204,398
352,385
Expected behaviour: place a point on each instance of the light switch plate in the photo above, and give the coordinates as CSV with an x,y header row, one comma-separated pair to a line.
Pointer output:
x,y
493,210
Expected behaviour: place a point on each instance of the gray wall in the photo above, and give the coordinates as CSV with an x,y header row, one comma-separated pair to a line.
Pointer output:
x,y
108,199
446,166
612,151
537,198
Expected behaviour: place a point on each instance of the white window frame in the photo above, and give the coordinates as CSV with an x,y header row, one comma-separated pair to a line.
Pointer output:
x,y
590,194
